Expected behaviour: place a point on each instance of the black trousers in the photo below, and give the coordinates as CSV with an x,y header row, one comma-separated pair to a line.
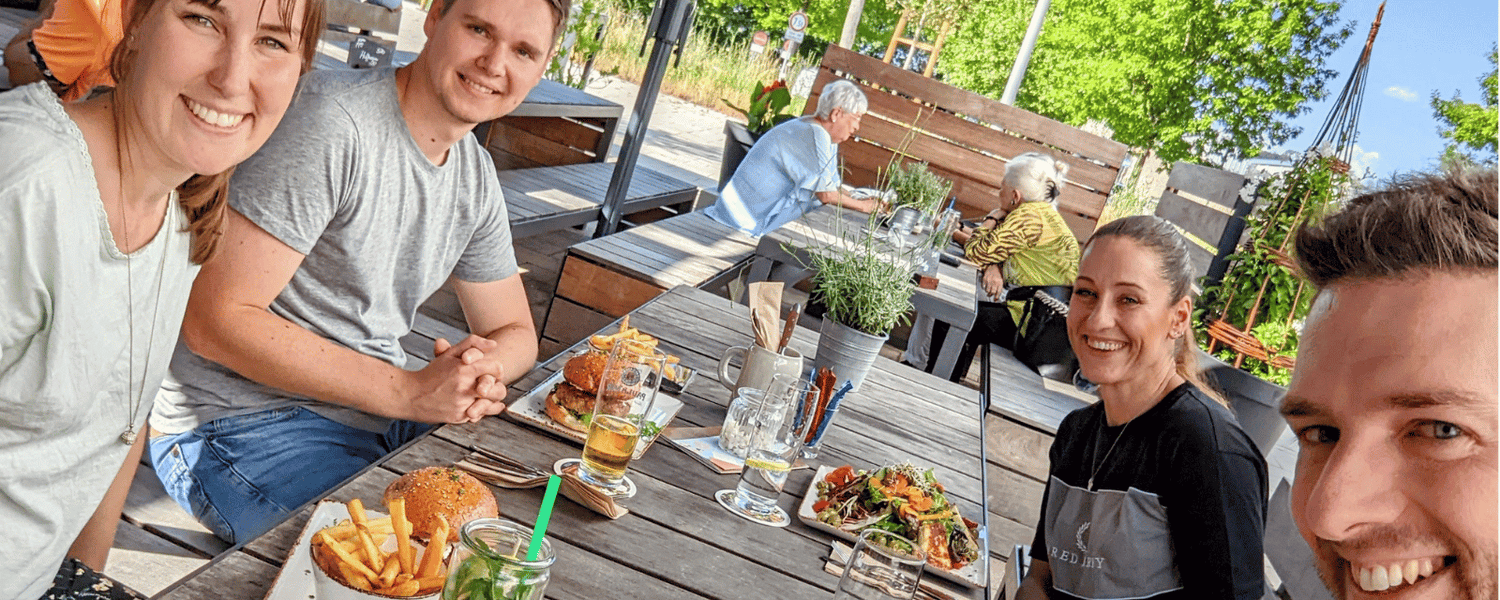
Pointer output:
x,y
992,325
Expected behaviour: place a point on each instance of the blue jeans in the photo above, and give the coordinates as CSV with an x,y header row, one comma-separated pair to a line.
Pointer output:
x,y
242,475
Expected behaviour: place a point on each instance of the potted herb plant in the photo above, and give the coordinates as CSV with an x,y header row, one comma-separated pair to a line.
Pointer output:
x,y
767,109
867,289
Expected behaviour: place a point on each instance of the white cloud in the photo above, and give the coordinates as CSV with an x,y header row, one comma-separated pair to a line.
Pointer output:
x,y
1400,93
1360,161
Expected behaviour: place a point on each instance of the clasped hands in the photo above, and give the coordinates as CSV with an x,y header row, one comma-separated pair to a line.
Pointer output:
x,y
463,384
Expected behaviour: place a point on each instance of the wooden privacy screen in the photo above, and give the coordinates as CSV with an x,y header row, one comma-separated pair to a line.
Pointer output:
x,y
964,137
1205,202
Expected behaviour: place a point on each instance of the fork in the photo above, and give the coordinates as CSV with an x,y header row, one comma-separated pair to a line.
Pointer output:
x,y
502,471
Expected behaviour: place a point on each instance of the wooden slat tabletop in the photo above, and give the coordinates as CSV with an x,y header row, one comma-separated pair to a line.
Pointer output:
x,y
686,249
677,542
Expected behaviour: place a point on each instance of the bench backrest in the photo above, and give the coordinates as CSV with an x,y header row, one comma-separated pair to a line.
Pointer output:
x,y
1205,202
964,137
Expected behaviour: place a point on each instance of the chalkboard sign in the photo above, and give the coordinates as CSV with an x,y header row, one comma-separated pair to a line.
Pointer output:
x,y
370,53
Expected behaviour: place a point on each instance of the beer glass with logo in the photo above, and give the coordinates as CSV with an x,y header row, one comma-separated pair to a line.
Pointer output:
x,y
627,390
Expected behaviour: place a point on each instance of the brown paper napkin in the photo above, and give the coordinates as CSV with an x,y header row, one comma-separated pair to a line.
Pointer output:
x,y
765,313
589,496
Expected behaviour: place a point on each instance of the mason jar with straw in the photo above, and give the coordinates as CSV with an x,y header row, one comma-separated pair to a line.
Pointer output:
x,y
497,559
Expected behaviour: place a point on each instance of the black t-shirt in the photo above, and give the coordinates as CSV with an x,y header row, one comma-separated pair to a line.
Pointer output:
x,y
1186,455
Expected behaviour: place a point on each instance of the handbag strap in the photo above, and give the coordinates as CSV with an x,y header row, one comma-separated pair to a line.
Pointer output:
x,y
1056,305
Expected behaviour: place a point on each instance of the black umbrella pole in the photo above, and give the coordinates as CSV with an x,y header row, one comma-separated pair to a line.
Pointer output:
x,y
635,137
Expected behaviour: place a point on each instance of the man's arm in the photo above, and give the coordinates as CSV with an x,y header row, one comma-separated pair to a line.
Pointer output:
x,y
228,322
839,198
1038,582
498,311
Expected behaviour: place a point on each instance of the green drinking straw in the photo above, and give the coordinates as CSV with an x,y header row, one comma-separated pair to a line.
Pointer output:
x,y
543,516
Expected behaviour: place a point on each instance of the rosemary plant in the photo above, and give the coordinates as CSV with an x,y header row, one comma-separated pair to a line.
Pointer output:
x,y
918,187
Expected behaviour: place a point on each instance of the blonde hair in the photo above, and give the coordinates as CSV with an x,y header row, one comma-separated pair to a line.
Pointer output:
x,y
204,198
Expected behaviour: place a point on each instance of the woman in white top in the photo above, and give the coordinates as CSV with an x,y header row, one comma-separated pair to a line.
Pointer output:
x,y
107,207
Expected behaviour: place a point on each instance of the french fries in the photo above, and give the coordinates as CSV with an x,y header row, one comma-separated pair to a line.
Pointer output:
x,y
636,338
350,552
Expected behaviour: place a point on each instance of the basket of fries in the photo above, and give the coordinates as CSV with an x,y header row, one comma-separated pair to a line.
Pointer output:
x,y
375,556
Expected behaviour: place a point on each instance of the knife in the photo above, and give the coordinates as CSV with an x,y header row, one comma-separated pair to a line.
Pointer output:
x,y
791,325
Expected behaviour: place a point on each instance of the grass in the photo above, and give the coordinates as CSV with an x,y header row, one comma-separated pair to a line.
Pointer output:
x,y
708,73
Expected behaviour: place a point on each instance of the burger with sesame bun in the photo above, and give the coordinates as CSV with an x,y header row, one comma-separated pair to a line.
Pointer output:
x,y
572,399
433,493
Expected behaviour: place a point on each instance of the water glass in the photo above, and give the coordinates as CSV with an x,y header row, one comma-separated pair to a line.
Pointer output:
x,y
627,389
774,443
490,563
882,566
741,420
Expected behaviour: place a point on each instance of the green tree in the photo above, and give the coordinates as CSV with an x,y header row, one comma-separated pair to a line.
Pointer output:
x,y
1205,81
737,20
1469,127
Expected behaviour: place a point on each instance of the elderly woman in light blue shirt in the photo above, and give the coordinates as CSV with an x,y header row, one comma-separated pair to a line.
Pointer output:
x,y
794,167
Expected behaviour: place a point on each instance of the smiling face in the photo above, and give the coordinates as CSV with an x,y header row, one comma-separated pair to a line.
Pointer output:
x,y
483,57
1394,404
212,79
1122,321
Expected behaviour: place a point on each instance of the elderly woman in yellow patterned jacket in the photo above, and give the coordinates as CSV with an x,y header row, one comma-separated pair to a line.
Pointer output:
x,y
1024,242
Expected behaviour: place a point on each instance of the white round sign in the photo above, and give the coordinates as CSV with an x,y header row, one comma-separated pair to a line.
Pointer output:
x,y
798,22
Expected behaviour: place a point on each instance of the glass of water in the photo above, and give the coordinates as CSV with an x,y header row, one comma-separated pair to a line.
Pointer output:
x,y
774,441
882,566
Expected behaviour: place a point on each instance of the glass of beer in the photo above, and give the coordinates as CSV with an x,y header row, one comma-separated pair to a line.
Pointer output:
x,y
627,389
775,439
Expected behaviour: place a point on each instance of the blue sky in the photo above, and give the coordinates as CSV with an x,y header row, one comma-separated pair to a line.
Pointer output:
x,y
1423,46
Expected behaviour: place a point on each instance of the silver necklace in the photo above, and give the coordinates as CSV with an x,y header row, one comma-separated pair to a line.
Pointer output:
x,y
1100,464
134,393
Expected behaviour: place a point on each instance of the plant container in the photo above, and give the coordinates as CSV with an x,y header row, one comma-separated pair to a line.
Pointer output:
x,y
847,351
737,142
1254,401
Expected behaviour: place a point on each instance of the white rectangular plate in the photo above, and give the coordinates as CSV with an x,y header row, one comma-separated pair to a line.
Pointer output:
x,y
531,410
296,579
973,574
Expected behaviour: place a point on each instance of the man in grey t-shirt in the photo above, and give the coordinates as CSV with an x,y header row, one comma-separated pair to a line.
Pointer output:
x,y
367,198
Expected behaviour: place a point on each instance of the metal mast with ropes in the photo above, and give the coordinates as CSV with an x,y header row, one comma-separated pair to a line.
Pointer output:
x,y
1319,177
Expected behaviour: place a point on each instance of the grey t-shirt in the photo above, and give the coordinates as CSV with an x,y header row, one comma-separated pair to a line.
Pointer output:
x,y
343,182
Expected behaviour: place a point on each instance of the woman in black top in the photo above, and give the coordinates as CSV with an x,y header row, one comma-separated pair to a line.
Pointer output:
x,y
1155,492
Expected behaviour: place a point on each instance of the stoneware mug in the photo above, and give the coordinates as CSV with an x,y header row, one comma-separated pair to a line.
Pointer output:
x,y
760,365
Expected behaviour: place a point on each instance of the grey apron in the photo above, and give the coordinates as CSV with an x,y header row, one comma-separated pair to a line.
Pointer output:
x,y
1108,544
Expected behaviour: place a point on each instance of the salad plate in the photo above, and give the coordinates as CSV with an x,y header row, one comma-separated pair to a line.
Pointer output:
x,y
973,574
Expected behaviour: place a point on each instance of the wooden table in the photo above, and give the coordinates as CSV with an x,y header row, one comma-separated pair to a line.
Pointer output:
x,y
953,302
677,542
545,199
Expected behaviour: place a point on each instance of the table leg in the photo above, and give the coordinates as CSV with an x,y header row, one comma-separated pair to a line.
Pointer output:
x,y
946,361
760,269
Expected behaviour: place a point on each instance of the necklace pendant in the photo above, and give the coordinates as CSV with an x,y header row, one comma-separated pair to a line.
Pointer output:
x,y
127,437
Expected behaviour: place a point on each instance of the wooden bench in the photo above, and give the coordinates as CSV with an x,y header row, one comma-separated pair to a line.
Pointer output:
x,y
1205,203
556,125
964,137
547,199
605,278
360,16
